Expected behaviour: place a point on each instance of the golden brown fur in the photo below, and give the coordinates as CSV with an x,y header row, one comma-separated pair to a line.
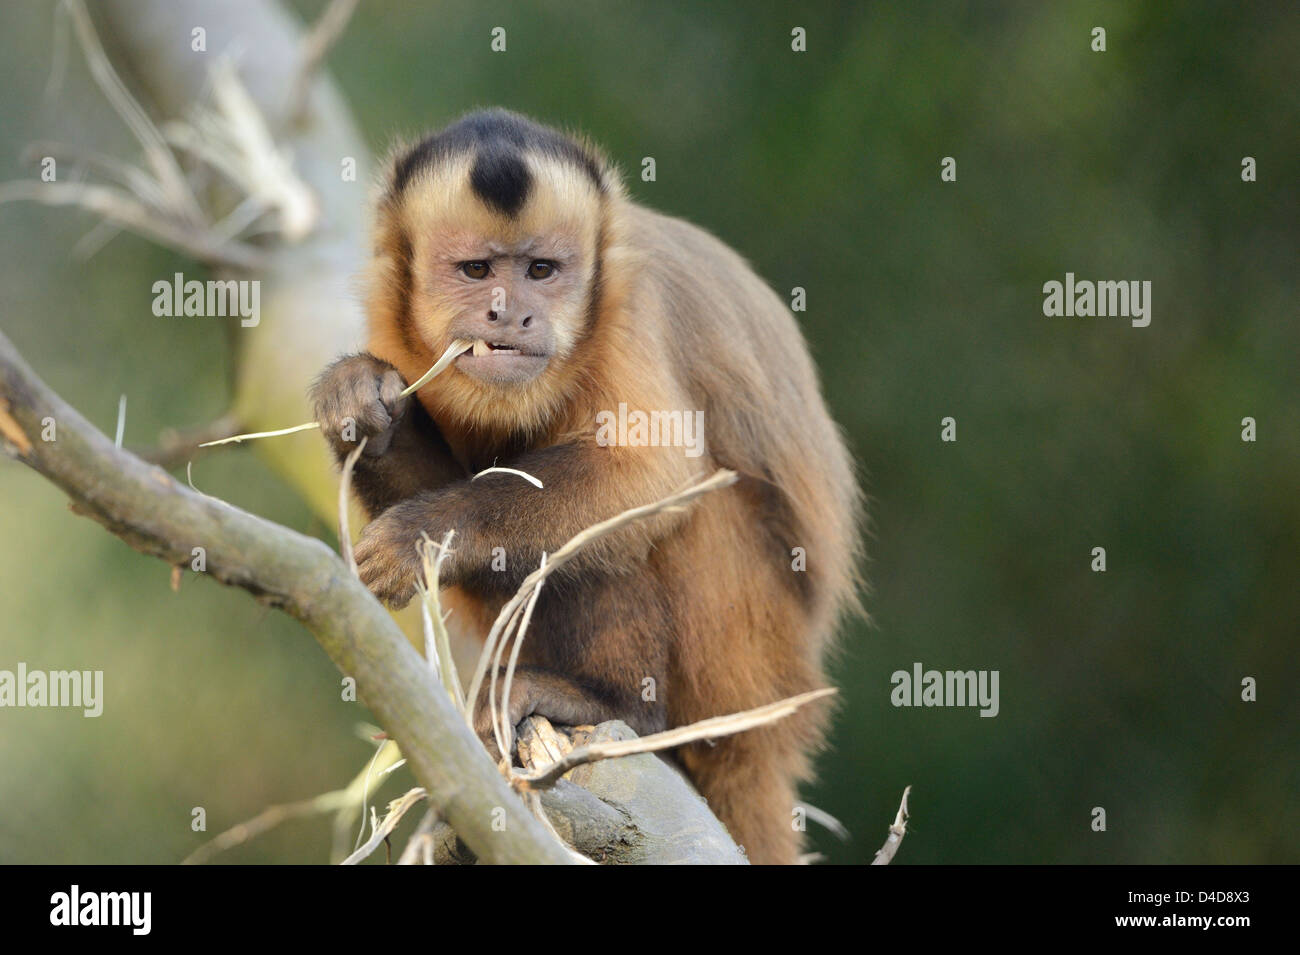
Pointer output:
x,y
659,315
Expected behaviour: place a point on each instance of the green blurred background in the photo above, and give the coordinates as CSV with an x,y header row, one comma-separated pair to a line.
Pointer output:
x,y
1119,690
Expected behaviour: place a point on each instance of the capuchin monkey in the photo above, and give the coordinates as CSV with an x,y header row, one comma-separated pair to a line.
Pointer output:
x,y
581,303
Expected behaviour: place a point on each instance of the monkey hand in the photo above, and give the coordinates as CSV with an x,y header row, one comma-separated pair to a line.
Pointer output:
x,y
386,553
359,396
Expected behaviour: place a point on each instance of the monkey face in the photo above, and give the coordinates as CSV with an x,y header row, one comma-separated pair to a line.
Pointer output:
x,y
519,286
520,302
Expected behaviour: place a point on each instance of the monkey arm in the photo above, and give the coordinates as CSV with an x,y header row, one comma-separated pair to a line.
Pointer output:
x,y
504,523
417,460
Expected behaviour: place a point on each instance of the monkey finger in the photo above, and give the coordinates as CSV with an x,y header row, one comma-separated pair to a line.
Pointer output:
x,y
391,386
387,575
367,408
393,590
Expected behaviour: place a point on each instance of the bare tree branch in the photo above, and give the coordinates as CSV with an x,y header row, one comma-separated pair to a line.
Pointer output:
x,y
177,445
324,33
157,515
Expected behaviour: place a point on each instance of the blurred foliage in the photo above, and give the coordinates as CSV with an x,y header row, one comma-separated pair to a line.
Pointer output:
x,y
924,300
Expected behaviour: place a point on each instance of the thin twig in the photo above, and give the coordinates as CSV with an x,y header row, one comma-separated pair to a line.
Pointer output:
x,y
338,801
232,137
181,199
896,833
386,758
497,733
324,33
268,819
125,210
365,788
345,484
437,641
507,728
705,729
396,810
137,180
237,438
826,821
454,350
177,445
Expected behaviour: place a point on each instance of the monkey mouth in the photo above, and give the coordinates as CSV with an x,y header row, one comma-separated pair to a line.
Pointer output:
x,y
502,363
482,348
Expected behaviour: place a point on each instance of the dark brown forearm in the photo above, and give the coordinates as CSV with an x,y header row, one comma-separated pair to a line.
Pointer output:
x,y
503,523
581,486
417,461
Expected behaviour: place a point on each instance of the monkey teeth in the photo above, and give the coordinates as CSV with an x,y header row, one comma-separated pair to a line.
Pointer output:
x,y
482,348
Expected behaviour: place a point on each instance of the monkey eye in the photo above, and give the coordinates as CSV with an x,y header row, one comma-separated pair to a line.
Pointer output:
x,y
541,269
477,269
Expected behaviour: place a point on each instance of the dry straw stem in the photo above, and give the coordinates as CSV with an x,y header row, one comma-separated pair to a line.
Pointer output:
x,y
170,178
121,422
345,485
156,201
177,445
523,474
454,351
896,832
396,810
266,820
826,821
126,212
502,724
498,733
704,729
352,797
719,479
237,438
232,137
437,640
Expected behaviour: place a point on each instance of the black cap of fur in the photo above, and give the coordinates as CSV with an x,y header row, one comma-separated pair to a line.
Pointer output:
x,y
498,139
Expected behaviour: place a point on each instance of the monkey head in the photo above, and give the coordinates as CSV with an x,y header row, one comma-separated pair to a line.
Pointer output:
x,y
492,231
